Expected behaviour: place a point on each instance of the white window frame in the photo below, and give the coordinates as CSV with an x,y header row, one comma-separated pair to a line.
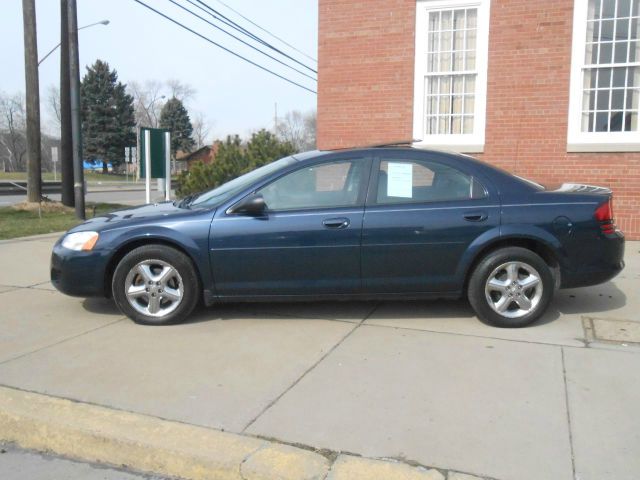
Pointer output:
x,y
463,142
577,140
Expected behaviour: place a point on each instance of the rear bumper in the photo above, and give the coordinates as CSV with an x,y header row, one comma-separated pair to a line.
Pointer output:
x,y
79,274
608,263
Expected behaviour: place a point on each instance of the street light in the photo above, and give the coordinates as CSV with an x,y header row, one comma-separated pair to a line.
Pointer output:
x,y
103,22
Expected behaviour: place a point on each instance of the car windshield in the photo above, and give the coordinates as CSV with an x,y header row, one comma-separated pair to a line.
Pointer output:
x,y
227,190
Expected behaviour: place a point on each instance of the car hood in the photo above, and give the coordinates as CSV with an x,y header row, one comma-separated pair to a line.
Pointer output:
x,y
139,214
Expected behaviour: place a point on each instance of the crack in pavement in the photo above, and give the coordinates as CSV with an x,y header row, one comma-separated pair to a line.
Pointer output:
x,y
312,367
22,355
566,400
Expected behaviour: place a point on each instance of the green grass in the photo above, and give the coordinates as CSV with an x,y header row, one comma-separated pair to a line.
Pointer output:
x,y
48,177
21,223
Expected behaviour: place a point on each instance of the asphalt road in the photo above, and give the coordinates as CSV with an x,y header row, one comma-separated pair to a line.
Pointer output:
x,y
18,464
129,197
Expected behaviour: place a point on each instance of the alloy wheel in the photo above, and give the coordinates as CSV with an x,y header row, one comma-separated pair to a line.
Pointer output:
x,y
154,288
514,289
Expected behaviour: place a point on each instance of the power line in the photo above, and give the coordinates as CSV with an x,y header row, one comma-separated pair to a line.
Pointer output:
x,y
225,48
243,30
240,40
266,31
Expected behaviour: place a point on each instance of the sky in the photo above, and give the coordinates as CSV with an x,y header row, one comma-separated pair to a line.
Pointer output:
x,y
234,96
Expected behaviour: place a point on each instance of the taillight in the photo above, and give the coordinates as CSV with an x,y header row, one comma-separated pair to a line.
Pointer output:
x,y
604,216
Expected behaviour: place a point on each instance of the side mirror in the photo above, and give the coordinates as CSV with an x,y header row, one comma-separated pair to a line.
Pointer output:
x,y
253,205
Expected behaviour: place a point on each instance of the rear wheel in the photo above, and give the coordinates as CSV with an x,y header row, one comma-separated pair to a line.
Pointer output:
x,y
511,287
156,285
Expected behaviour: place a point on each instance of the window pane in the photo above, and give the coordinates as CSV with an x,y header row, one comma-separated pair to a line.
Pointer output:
x,y
603,100
405,181
606,32
470,84
606,50
456,124
468,104
634,52
602,122
458,19
616,122
468,124
617,99
472,15
622,29
329,185
604,77
471,40
446,20
621,50
471,60
608,8
624,8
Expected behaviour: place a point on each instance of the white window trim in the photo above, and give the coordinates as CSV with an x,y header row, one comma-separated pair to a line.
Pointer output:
x,y
466,143
577,140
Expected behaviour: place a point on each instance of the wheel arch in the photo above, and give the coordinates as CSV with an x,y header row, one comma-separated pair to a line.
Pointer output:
x,y
548,251
134,243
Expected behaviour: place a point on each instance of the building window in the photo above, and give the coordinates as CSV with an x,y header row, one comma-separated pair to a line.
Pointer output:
x,y
450,83
605,77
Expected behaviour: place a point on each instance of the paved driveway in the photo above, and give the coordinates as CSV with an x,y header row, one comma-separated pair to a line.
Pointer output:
x,y
424,382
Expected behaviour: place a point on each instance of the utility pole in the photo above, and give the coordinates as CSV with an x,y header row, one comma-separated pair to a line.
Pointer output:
x,y
76,125
34,159
66,155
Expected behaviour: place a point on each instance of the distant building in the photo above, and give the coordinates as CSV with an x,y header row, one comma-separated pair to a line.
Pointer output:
x,y
548,89
204,154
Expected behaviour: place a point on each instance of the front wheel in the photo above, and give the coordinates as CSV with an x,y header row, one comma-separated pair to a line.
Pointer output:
x,y
511,287
156,285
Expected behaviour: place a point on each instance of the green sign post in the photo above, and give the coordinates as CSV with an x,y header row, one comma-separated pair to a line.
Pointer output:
x,y
155,158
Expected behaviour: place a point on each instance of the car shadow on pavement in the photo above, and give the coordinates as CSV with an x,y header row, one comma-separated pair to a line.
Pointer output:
x,y
581,301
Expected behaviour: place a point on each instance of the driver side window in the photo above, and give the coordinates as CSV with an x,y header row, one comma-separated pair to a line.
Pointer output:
x,y
335,184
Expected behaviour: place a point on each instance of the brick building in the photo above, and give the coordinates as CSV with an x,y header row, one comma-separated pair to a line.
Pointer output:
x,y
548,89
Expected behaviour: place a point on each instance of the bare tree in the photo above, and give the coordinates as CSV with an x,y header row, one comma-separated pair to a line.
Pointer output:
x,y
299,129
201,129
12,132
182,91
147,102
53,105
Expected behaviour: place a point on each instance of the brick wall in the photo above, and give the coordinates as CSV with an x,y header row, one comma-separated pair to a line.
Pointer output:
x,y
365,74
365,95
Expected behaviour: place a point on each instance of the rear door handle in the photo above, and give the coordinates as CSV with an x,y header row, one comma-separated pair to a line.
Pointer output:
x,y
335,223
475,216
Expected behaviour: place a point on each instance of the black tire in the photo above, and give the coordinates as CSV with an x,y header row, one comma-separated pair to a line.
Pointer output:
x,y
183,280
482,300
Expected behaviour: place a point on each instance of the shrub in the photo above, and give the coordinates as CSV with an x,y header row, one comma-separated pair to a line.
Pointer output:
x,y
232,159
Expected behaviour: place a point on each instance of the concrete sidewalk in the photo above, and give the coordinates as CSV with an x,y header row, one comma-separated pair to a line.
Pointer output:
x,y
424,383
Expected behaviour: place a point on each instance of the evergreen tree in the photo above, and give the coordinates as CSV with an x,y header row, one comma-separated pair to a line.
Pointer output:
x,y
175,117
107,115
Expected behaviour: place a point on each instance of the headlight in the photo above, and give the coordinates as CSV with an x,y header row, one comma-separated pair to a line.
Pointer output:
x,y
80,241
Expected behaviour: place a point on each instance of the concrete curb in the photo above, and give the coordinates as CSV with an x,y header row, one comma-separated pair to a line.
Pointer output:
x,y
102,435
148,444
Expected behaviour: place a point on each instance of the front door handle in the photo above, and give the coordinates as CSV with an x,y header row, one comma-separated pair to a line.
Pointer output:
x,y
336,223
475,216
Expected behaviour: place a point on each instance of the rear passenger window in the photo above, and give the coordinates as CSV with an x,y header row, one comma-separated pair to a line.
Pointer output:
x,y
406,181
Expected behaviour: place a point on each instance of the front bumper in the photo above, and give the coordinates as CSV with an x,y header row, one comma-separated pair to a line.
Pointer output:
x,y
79,274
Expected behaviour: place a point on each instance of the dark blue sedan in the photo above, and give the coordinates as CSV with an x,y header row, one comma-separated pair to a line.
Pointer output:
x,y
383,223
